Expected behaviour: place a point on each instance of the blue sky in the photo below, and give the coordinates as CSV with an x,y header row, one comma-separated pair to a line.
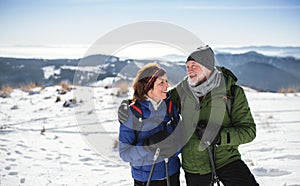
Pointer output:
x,y
82,22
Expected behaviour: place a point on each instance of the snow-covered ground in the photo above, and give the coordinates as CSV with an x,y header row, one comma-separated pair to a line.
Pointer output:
x,y
44,143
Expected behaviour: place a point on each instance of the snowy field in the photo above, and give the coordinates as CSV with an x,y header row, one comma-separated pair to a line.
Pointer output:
x,y
44,143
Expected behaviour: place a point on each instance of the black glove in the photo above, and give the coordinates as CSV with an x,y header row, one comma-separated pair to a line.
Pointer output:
x,y
123,111
164,141
208,134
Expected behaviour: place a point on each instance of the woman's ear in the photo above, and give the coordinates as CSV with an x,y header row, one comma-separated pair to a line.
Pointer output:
x,y
149,92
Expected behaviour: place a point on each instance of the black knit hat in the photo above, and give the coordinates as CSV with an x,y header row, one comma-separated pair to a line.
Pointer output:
x,y
203,55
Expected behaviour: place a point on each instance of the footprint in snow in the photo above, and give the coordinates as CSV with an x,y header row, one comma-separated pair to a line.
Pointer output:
x,y
7,168
21,145
289,157
10,159
5,140
22,180
18,152
270,172
86,159
27,157
13,173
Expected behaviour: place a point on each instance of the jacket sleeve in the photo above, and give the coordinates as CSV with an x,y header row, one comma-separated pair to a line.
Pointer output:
x,y
135,154
243,128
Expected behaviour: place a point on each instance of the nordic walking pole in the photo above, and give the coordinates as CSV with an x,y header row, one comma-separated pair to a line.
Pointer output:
x,y
153,165
215,177
167,171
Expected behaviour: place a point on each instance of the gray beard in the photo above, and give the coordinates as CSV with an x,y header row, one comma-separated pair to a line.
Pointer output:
x,y
212,82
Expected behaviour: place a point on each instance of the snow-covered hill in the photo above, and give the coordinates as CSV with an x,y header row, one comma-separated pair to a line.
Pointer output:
x,y
44,143
253,69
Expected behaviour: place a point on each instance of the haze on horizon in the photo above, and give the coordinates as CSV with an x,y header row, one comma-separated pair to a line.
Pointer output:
x,y
52,28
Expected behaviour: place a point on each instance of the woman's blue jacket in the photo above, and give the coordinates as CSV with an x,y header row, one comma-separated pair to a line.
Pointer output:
x,y
131,142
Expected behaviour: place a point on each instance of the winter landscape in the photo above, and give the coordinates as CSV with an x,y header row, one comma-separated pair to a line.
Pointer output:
x,y
66,65
65,135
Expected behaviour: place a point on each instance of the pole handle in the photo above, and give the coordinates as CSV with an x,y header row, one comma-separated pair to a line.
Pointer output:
x,y
156,154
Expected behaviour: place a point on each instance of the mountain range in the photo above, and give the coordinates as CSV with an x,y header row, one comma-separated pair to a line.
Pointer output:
x,y
255,70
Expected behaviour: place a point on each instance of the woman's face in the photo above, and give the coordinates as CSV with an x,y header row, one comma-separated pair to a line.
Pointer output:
x,y
159,90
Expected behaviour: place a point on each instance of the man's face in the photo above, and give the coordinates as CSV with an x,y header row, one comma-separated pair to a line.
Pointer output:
x,y
196,72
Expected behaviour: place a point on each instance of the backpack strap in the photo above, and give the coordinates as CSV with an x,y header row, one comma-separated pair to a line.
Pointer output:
x,y
137,120
229,99
135,107
177,101
123,111
169,105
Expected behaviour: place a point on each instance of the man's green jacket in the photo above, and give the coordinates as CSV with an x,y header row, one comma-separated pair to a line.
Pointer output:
x,y
237,124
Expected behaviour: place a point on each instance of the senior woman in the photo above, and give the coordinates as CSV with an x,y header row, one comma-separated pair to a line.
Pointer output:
x,y
150,120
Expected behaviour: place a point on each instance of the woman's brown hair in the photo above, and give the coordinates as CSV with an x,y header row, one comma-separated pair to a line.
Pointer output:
x,y
144,80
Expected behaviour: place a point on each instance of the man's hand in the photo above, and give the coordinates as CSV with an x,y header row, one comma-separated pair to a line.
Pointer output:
x,y
164,141
208,134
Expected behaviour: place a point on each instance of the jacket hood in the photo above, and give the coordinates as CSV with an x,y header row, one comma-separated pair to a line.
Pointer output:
x,y
230,78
